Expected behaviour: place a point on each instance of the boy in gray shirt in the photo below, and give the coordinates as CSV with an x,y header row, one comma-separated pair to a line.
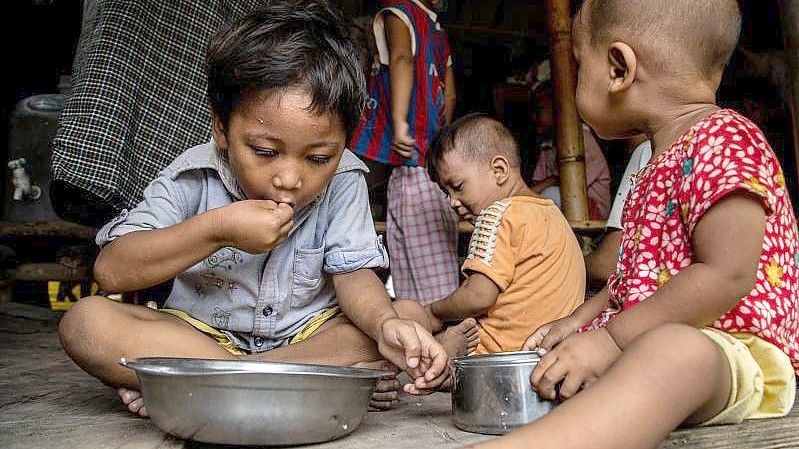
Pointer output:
x,y
266,229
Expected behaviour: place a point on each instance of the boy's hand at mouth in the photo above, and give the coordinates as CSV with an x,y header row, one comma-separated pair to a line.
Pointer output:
x,y
412,348
254,226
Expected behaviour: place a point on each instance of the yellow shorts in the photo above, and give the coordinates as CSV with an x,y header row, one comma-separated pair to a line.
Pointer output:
x,y
225,342
763,379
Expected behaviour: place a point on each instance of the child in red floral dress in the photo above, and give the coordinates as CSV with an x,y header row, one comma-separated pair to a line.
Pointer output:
x,y
698,325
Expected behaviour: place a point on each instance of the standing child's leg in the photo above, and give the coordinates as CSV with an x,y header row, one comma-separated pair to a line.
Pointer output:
x,y
669,376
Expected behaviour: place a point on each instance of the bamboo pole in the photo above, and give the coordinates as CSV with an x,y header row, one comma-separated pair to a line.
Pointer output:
x,y
790,23
571,154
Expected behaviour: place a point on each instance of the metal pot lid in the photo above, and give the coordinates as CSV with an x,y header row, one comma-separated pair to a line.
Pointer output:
x,y
47,102
42,106
167,366
498,359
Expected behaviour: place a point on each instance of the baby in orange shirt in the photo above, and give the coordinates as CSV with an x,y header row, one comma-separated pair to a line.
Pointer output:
x,y
524,267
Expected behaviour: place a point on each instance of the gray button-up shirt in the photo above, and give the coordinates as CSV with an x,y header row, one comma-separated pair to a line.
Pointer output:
x,y
259,300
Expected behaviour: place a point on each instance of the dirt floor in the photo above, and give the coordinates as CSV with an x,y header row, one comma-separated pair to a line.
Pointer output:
x,y
47,402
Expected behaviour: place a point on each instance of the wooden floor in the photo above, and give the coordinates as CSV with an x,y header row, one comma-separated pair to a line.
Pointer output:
x,y
47,402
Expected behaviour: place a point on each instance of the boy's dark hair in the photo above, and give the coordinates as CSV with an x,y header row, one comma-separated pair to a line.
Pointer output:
x,y
287,44
701,33
479,137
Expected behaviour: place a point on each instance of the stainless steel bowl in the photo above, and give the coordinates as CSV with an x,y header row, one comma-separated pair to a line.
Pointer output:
x,y
492,393
253,403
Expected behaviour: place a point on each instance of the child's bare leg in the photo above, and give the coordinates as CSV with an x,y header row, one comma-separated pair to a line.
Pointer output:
x,y
670,375
97,332
339,342
458,340
412,310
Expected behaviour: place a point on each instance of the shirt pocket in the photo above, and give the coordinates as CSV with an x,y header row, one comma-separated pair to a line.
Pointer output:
x,y
307,278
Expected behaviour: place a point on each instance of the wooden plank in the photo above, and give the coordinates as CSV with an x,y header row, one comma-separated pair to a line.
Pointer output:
x,y
43,272
580,227
63,229
464,227
46,400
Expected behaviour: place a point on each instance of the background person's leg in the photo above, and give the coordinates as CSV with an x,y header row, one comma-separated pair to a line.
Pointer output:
x,y
401,278
430,240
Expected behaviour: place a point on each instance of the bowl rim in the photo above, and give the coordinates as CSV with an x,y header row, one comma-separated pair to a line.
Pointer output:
x,y
195,367
498,359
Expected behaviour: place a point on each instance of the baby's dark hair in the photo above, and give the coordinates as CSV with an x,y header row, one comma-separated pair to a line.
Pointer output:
x,y
288,44
475,136
702,33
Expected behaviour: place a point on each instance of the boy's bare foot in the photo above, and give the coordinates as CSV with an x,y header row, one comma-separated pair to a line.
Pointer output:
x,y
134,400
461,339
387,391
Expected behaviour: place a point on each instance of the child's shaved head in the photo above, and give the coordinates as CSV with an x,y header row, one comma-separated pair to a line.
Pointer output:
x,y
700,33
475,136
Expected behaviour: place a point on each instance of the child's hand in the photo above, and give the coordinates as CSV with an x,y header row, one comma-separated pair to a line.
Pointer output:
x,y
411,347
578,361
403,143
550,334
423,387
256,226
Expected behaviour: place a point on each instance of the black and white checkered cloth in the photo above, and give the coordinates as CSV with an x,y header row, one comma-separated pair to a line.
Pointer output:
x,y
138,97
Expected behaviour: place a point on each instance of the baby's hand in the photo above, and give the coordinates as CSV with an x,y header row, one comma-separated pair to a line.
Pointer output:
x,y
255,226
550,334
574,364
411,347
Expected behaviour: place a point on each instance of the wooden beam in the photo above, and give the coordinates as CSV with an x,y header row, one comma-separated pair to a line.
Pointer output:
x,y
41,272
464,227
63,229
571,154
585,227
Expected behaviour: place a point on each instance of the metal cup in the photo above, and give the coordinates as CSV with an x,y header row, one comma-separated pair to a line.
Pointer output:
x,y
492,393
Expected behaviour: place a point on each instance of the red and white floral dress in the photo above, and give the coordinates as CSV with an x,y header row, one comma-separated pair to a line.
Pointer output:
x,y
722,154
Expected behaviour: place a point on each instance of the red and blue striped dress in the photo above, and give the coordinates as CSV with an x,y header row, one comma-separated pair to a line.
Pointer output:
x,y
373,136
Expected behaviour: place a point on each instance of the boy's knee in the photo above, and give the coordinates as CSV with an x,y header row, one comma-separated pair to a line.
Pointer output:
x,y
76,322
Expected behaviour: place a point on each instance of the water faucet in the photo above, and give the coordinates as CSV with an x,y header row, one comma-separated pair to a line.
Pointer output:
x,y
23,189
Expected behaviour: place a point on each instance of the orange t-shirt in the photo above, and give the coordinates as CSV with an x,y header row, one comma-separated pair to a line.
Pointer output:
x,y
527,248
